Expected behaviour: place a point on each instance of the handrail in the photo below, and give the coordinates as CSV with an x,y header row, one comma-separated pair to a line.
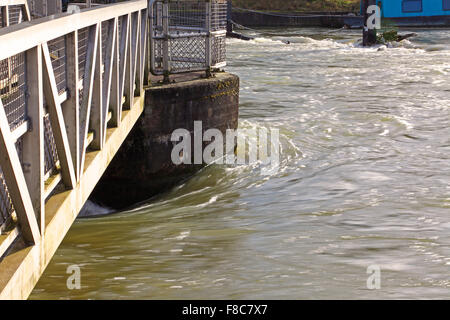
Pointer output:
x,y
47,28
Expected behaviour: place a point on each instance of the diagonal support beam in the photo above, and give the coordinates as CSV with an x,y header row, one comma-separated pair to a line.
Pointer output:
x,y
132,58
141,52
135,52
115,105
123,51
15,180
57,120
110,57
88,84
26,11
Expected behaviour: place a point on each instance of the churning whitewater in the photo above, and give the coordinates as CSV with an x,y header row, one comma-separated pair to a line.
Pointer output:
x,y
363,181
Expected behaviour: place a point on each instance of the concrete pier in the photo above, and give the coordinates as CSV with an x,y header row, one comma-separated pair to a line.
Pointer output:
x,y
143,166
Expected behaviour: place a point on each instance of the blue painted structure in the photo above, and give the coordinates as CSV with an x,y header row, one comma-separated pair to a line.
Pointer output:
x,y
414,8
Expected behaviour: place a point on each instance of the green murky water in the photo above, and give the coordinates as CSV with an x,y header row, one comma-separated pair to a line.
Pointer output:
x,y
364,180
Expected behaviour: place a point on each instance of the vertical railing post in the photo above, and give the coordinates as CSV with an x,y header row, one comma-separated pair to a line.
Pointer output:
x,y
208,46
71,107
166,57
44,9
33,141
5,16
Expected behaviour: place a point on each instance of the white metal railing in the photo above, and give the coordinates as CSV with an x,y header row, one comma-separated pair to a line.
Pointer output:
x,y
12,92
187,35
64,80
13,12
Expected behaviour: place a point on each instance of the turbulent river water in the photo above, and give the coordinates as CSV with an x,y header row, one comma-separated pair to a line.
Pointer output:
x,y
364,181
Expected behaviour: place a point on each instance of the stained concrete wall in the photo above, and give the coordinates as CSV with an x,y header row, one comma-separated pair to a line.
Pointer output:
x,y
143,166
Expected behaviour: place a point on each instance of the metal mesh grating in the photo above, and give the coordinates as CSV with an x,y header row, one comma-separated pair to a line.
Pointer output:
x,y
187,13
187,54
1,17
120,28
105,34
193,25
219,50
57,48
50,152
218,15
13,89
15,14
6,206
82,51
158,53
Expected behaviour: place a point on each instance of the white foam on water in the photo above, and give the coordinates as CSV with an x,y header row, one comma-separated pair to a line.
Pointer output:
x,y
212,200
92,209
